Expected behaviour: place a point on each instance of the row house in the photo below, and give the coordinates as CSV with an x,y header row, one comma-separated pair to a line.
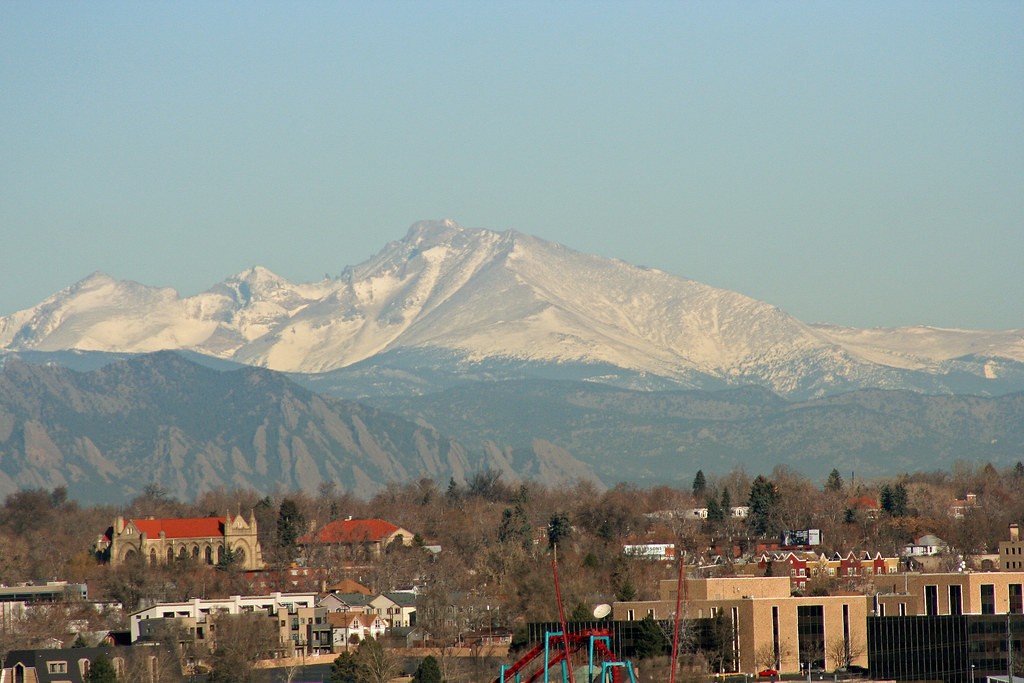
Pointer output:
x,y
804,566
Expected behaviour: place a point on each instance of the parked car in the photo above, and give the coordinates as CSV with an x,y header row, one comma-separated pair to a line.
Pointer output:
x,y
767,673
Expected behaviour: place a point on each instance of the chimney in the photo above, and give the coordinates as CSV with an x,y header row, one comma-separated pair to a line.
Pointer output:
x,y
1014,532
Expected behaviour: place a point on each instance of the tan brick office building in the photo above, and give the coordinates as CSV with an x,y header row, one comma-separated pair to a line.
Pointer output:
x,y
765,616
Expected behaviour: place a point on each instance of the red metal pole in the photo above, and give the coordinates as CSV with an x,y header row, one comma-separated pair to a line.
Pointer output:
x,y
561,613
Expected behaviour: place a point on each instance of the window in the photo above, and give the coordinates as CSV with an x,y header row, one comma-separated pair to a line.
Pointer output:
x,y
57,667
1016,599
810,629
988,598
775,635
931,600
956,600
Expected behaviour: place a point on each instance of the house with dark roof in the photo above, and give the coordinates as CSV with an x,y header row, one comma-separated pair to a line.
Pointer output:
x,y
399,609
210,540
361,537
63,665
345,602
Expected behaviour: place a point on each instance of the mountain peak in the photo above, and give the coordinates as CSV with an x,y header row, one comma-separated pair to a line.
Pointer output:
x,y
472,295
432,232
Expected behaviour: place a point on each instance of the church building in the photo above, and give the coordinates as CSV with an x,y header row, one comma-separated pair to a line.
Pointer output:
x,y
204,539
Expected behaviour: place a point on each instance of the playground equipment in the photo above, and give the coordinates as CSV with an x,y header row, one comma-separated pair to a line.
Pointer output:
x,y
598,651
531,667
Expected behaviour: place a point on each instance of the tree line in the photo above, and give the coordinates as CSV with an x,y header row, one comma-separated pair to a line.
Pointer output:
x,y
496,536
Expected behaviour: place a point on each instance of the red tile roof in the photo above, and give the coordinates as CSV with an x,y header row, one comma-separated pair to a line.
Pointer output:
x,y
352,531
194,527
863,503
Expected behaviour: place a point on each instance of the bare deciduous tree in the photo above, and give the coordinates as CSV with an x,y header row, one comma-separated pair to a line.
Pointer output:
x,y
841,653
378,663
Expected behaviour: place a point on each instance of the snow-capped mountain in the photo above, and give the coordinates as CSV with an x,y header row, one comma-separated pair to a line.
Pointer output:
x,y
466,297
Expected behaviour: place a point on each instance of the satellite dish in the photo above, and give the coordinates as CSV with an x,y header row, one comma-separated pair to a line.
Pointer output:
x,y
602,610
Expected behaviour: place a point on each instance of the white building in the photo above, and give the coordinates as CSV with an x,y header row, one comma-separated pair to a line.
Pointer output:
x,y
198,611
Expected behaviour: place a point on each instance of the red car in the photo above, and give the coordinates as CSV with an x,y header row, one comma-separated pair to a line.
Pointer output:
x,y
767,673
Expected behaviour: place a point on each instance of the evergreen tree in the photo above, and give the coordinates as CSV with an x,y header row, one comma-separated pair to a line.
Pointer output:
x,y
581,613
715,512
885,498
1018,471
894,499
344,669
650,639
899,500
558,528
699,484
718,641
102,670
289,523
453,495
515,526
763,498
726,502
626,592
428,671
834,482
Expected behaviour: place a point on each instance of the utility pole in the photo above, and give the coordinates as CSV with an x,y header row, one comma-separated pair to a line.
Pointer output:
x,y
1009,650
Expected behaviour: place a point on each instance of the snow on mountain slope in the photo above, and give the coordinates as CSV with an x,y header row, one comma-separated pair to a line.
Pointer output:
x,y
478,295
922,347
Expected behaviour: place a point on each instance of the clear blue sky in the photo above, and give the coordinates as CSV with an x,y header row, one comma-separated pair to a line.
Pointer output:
x,y
858,163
